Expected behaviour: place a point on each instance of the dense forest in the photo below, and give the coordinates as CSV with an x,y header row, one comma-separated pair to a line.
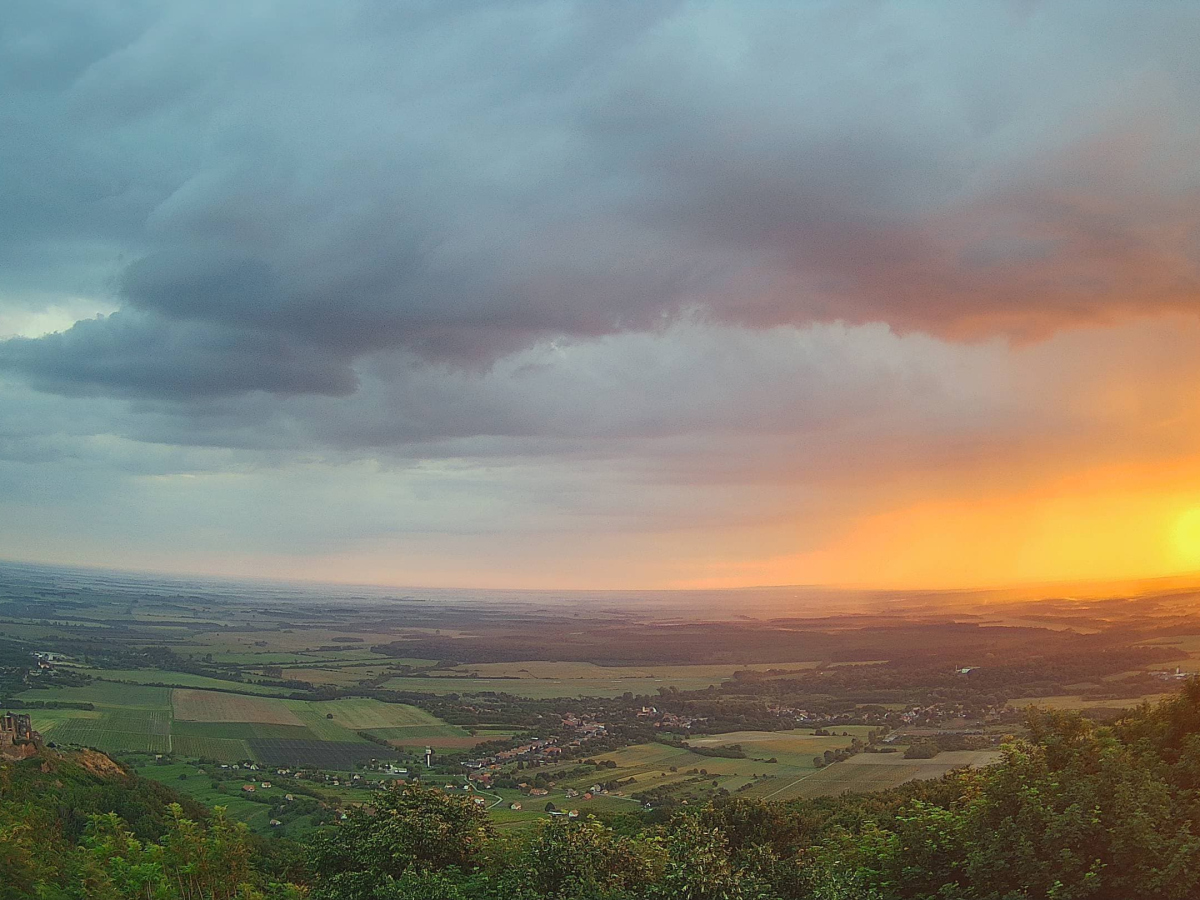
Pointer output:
x,y
1076,810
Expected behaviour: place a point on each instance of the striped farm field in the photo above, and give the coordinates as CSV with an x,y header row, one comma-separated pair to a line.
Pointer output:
x,y
214,706
103,734
125,717
221,749
46,720
340,756
240,731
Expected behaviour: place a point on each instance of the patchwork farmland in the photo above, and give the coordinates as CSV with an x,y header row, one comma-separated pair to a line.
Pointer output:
x,y
227,727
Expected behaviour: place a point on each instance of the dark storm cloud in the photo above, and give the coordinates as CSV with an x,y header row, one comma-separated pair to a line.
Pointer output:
x,y
138,355
276,194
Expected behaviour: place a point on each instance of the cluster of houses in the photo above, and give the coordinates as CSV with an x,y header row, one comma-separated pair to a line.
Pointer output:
x,y
538,750
44,663
669,720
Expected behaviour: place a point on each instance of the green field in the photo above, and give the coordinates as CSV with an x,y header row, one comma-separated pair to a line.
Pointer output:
x,y
195,782
360,713
791,748
126,717
106,694
203,747
315,717
116,732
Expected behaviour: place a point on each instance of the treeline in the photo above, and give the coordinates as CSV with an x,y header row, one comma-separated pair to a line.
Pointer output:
x,y
728,751
13,703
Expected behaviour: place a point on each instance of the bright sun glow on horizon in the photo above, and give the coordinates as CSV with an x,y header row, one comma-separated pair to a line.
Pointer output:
x,y
1187,536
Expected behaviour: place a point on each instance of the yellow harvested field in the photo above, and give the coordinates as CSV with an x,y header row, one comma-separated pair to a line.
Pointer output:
x,y
213,706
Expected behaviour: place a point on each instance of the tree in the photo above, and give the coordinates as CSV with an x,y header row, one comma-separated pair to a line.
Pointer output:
x,y
567,860
408,828
699,865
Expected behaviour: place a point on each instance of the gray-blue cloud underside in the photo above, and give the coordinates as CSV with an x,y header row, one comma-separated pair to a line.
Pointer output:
x,y
312,202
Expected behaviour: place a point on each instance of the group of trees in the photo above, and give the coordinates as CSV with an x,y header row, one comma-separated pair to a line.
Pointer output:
x,y
1077,810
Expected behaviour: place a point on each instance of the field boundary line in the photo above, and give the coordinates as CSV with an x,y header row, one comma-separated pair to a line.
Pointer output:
x,y
791,784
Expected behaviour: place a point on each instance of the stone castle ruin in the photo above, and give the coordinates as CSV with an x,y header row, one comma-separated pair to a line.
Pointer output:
x,y
17,737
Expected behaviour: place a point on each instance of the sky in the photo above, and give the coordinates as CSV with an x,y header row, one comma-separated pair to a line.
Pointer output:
x,y
601,295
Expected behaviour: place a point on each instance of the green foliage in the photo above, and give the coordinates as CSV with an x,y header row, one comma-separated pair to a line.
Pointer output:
x,y
922,749
700,866
79,829
408,828
580,859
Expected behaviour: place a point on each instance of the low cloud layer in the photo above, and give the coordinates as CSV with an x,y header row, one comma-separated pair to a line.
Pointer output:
x,y
690,244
